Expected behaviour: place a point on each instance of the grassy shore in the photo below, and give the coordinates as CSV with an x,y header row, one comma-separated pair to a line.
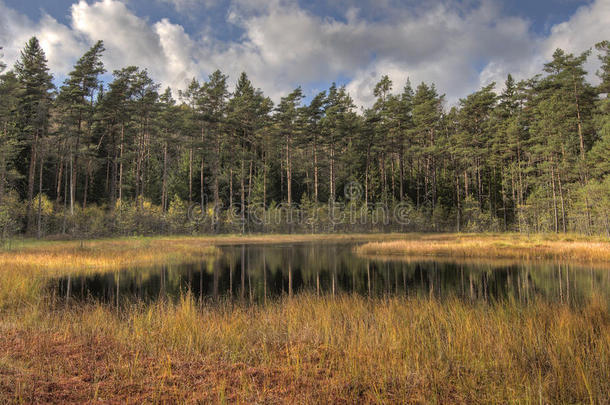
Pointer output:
x,y
304,349
495,246
309,349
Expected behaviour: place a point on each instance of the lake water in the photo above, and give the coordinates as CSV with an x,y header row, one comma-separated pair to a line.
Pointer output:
x,y
255,273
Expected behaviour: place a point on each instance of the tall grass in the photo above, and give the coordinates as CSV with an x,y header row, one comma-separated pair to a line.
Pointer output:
x,y
302,349
495,246
24,270
324,349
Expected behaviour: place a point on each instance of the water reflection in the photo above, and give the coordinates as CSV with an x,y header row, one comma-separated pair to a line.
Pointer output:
x,y
256,273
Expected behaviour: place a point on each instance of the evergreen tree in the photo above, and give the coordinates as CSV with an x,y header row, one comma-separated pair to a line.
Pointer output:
x,y
9,145
288,117
77,101
34,103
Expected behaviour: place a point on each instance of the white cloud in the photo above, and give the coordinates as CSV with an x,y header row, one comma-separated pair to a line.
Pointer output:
x,y
184,6
459,48
588,26
60,43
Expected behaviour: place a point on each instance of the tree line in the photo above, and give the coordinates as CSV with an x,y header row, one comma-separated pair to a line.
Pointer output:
x,y
122,156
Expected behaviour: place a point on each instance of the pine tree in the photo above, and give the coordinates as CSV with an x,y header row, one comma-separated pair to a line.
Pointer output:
x,y
214,105
77,100
600,153
33,107
314,113
9,145
288,118
427,113
247,111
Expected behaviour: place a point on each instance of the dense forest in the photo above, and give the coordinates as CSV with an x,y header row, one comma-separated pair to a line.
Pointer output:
x,y
122,156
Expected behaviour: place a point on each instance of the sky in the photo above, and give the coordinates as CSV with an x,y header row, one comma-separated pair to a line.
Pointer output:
x,y
459,45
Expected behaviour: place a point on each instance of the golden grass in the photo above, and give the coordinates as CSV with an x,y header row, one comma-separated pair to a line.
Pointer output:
x,y
305,349
310,349
98,255
24,270
511,246
103,254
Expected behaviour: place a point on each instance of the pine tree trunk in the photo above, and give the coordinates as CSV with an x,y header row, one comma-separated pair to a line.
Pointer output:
x,y
121,163
60,173
332,174
31,179
392,178
216,175
315,168
2,172
87,180
264,180
201,190
250,183
383,177
201,174
63,227
2,176
401,168
164,185
563,211
190,176
457,192
504,203
555,213
579,121
366,181
243,196
288,172
72,184
231,187
113,177
39,227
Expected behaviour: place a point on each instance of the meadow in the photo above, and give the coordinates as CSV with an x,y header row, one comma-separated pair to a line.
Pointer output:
x,y
299,349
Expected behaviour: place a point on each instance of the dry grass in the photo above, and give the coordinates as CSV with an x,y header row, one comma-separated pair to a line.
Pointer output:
x,y
103,254
511,246
25,269
305,349
310,350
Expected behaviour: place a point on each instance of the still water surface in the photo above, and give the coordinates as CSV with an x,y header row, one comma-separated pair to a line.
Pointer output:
x,y
256,273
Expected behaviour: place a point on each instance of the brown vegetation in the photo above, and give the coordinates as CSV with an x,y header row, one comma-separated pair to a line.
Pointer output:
x,y
309,349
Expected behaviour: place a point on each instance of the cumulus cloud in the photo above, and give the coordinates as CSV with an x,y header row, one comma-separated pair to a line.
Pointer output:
x,y
457,45
60,43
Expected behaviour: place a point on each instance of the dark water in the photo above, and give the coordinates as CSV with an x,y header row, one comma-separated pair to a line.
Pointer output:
x,y
260,272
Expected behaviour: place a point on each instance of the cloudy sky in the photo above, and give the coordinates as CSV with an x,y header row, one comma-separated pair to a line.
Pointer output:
x,y
459,45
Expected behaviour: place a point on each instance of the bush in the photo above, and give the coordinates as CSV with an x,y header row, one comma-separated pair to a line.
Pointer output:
x,y
12,214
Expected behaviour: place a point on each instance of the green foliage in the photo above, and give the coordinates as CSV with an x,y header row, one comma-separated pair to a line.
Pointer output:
x,y
11,215
533,158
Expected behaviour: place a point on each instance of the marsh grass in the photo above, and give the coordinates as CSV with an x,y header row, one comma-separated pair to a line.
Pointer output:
x,y
495,246
301,349
316,349
25,269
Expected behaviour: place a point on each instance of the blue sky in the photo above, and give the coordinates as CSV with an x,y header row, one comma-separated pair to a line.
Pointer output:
x,y
542,13
458,44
